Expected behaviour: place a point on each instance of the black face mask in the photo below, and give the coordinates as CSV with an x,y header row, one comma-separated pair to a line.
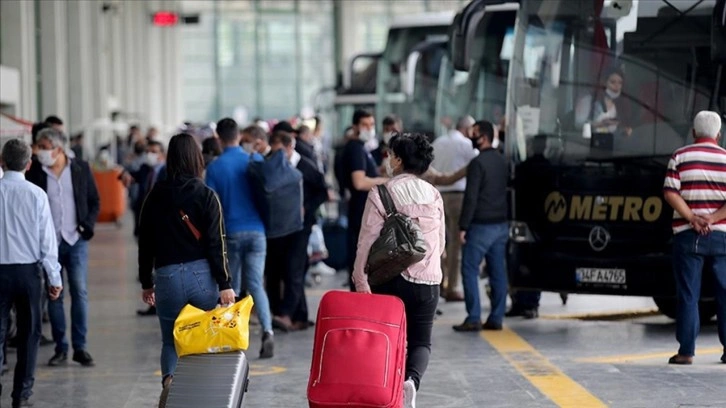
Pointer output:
x,y
475,142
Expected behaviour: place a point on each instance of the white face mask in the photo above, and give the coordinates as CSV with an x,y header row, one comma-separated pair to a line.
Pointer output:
x,y
1,172
495,143
152,159
389,169
45,157
387,137
366,135
612,94
248,147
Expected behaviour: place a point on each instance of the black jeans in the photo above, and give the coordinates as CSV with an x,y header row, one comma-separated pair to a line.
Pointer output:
x,y
20,286
420,302
286,263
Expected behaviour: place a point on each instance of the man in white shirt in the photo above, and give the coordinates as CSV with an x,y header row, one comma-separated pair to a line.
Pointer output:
x,y
27,248
451,153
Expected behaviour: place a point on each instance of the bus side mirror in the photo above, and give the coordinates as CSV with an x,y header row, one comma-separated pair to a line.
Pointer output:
x,y
718,32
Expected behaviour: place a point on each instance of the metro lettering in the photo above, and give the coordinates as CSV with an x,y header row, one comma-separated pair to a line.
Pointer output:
x,y
581,208
632,206
602,208
652,209
615,204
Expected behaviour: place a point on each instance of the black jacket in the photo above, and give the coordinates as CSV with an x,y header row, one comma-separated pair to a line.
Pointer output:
x,y
315,190
85,193
305,149
485,198
164,237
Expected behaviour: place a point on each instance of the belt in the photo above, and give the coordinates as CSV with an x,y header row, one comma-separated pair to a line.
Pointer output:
x,y
452,192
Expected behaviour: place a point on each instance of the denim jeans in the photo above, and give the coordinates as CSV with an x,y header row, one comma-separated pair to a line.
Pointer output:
x,y
690,252
20,286
485,241
420,303
175,286
74,260
250,247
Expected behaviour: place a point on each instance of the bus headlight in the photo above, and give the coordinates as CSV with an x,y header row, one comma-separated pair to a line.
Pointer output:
x,y
519,232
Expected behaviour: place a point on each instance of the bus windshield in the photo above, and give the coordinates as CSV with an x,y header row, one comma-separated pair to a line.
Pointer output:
x,y
480,92
602,80
391,98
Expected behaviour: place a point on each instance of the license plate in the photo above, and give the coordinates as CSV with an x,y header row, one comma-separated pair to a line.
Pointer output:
x,y
600,275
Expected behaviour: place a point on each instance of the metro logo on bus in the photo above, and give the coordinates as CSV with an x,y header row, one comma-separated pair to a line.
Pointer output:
x,y
602,208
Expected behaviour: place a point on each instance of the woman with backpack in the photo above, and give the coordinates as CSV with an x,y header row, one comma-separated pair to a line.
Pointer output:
x,y
418,285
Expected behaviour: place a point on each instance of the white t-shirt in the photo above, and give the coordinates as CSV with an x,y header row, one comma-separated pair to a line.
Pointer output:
x,y
451,153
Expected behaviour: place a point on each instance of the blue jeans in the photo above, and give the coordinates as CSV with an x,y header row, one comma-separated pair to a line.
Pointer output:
x,y
252,248
690,252
175,286
485,241
74,260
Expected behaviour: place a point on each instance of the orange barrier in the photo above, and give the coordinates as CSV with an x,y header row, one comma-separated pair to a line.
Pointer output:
x,y
112,194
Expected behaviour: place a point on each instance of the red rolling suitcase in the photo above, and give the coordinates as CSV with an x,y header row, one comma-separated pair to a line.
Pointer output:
x,y
359,353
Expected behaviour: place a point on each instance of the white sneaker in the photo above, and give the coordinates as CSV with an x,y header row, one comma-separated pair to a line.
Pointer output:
x,y
409,394
322,269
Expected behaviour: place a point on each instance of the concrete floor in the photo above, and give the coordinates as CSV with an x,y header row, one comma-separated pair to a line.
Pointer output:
x,y
556,360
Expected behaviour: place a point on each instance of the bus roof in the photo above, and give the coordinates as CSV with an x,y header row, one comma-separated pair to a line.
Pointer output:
x,y
424,20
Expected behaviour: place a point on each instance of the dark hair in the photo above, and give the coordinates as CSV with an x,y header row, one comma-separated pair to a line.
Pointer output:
x,y
486,129
184,158
211,146
139,147
389,120
155,143
227,130
414,150
318,121
281,137
360,114
37,127
614,70
53,120
16,155
303,130
256,132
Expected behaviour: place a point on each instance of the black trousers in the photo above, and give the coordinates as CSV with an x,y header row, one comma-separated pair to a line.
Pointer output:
x,y
285,267
420,302
20,286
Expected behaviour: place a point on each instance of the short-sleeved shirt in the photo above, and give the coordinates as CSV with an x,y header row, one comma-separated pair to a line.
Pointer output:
x,y
356,158
698,173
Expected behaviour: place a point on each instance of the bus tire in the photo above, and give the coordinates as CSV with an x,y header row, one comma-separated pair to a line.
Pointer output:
x,y
667,306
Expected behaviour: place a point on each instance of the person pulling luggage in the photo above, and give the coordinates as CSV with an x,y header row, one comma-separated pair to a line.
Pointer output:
x,y
418,285
181,238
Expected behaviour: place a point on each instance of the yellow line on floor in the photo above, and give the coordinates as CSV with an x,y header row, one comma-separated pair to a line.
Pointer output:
x,y
626,358
610,315
544,375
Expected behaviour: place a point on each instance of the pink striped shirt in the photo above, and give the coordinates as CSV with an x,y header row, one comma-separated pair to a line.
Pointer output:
x,y
698,173
422,202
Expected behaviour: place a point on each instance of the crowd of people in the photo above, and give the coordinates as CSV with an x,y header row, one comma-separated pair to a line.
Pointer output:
x,y
234,213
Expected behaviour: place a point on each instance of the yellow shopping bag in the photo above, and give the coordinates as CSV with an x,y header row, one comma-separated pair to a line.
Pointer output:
x,y
216,331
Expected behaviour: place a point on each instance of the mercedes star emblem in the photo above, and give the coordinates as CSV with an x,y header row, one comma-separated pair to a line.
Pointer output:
x,y
599,238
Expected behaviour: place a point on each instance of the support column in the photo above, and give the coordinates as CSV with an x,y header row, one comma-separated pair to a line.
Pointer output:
x,y
17,30
80,65
54,59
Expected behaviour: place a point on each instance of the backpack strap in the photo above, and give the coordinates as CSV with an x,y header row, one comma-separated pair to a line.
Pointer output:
x,y
387,200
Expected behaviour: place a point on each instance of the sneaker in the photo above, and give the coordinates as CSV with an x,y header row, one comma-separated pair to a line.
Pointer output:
x,y
268,346
409,394
530,314
58,359
82,357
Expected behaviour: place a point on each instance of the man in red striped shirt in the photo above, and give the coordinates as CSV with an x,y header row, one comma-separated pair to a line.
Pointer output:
x,y
695,186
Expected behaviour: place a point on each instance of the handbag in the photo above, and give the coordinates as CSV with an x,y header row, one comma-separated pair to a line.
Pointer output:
x,y
216,331
400,245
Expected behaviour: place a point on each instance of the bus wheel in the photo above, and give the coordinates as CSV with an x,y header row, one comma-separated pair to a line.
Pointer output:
x,y
667,306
